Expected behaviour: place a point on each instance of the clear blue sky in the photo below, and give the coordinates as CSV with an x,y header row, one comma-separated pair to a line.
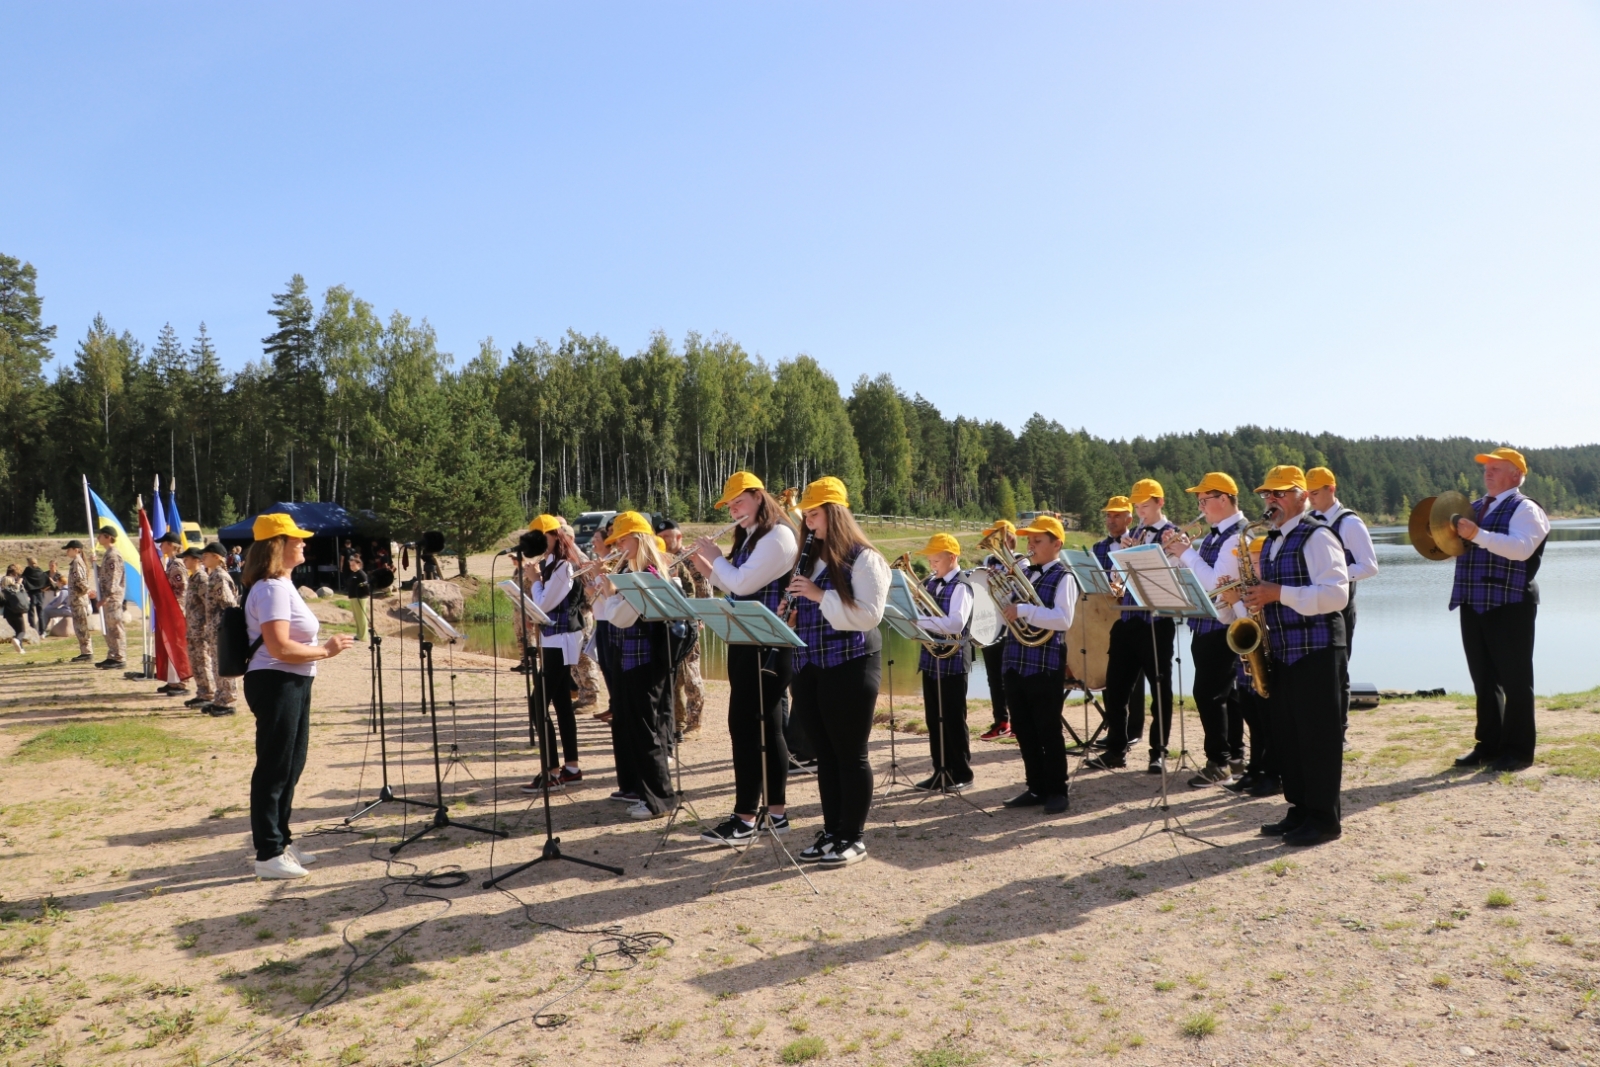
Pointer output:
x,y
1375,218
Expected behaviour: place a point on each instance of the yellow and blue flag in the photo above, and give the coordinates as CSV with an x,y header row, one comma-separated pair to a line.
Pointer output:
x,y
105,518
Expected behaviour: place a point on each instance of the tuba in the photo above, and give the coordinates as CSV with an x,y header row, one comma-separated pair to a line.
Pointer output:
x,y
1009,584
1247,637
927,607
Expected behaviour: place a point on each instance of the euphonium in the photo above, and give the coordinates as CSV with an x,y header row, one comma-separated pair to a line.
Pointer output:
x,y
1247,637
1009,584
927,607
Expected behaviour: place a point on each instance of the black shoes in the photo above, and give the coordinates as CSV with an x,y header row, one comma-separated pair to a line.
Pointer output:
x,y
1308,835
1154,768
1243,783
1510,763
1268,785
82,657
843,853
1056,805
1291,822
197,702
1025,799
1104,763
819,848
111,664
217,711
732,831
1475,758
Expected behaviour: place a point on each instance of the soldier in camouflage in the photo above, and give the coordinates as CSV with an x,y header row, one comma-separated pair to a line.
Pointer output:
x,y
79,591
177,577
220,593
113,585
688,699
196,601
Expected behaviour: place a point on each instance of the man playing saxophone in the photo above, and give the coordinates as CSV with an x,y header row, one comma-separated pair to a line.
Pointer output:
x,y
1303,589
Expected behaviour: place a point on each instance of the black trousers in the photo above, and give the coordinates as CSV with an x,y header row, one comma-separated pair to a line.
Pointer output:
x,y
643,726
36,610
1035,702
950,746
747,689
1349,614
1216,696
281,704
993,667
1499,648
557,680
1304,708
794,734
836,705
1253,710
1133,653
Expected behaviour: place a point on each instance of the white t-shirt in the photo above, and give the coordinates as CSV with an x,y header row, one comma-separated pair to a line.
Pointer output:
x,y
275,600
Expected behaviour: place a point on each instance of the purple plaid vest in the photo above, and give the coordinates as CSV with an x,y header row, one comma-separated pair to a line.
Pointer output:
x,y
567,617
958,663
1050,656
825,646
631,644
1102,552
1210,549
1291,635
1485,581
1145,535
770,594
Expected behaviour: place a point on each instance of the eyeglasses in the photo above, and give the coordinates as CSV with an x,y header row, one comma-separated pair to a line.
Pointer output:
x,y
1212,495
1279,494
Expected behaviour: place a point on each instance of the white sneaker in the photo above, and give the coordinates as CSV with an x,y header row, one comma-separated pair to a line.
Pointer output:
x,y
301,856
280,866
641,810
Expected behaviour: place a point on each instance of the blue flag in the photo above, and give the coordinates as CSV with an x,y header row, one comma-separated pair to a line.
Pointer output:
x,y
174,521
105,518
158,521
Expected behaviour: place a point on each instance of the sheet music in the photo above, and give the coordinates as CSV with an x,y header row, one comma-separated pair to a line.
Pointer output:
x,y
1154,582
509,588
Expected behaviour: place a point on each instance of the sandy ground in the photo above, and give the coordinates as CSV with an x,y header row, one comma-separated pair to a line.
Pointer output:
x,y
134,932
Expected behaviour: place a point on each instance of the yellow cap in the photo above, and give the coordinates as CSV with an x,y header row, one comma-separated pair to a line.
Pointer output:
x,y
1144,489
1256,545
940,543
1118,505
1283,476
544,523
1216,482
661,545
824,491
999,525
1507,455
267,527
1320,478
1044,524
629,522
738,482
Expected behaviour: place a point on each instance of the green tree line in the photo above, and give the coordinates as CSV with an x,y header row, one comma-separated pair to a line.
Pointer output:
x,y
344,404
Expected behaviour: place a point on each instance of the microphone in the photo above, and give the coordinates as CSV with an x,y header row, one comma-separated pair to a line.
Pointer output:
x,y
532,543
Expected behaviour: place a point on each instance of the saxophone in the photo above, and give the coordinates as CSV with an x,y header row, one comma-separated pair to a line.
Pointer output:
x,y
1247,637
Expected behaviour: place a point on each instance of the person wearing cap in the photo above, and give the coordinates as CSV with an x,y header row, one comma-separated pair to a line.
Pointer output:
x,y
79,593
757,568
1360,558
1304,585
1496,591
1133,653
944,679
1036,676
279,671
839,598
689,691
1216,667
357,584
197,621
641,727
221,594
113,582
551,584
178,579
994,655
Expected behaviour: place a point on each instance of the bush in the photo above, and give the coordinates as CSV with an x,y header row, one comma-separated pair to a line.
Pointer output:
x,y
1201,1024
806,1048
44,516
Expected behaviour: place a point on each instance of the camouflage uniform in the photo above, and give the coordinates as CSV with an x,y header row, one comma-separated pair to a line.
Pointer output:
x,y
196,612
113,585
78,589
689,692
220,593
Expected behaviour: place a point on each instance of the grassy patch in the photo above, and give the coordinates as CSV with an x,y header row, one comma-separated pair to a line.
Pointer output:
x,y
1201,1024
23,1020
1577,757
799,1051
1499,898
110,743
1571,701
945,1056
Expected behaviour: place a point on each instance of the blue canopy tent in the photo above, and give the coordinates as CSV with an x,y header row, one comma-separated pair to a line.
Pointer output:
x,y
333,528
324,520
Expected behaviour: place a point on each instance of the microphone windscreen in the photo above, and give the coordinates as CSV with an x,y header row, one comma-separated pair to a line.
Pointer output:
x,y
533,543
433,542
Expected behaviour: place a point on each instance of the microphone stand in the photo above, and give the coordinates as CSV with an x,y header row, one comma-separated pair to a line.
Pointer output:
x,y
377,719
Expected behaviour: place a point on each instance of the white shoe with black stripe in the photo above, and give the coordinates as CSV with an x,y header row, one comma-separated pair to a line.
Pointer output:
x,y
814,852
843,854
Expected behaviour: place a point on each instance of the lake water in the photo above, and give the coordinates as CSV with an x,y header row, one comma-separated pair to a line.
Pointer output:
x,y
1406,638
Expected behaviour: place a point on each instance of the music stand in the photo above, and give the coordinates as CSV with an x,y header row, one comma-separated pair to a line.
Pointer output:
x,y
750,622
900,615
1174,592
892,774
658,599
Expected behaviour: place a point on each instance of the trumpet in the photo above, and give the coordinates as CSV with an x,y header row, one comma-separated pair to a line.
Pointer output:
x,y
685,555
603,565
927,607
1009,584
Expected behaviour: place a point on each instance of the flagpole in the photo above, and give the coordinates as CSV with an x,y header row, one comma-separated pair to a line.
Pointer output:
x,y
146,623
94,568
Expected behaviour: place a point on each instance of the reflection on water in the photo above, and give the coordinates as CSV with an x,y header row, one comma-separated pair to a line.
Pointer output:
x,y
1406,638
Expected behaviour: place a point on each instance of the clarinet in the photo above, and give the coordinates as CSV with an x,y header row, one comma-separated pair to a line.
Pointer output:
x,y
787,608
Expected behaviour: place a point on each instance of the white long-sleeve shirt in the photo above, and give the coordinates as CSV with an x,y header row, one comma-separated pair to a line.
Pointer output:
x,y
771,559
869,581
1353,532
549,595
1058,617
1529,527
955,622
1329,590
1226,568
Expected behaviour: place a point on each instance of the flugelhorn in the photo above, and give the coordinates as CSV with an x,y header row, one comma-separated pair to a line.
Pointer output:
x,y
685,555
1009,584
927,608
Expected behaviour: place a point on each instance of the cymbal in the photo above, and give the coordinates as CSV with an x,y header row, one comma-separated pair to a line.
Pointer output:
x,y
1421,535
1443,530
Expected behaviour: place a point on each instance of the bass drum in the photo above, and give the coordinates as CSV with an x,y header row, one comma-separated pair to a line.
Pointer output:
x,y
987,623
1089,640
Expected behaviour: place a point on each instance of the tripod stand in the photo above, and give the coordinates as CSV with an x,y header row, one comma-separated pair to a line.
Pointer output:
x,y
892,775
430,701
538,711
942,784
377,721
